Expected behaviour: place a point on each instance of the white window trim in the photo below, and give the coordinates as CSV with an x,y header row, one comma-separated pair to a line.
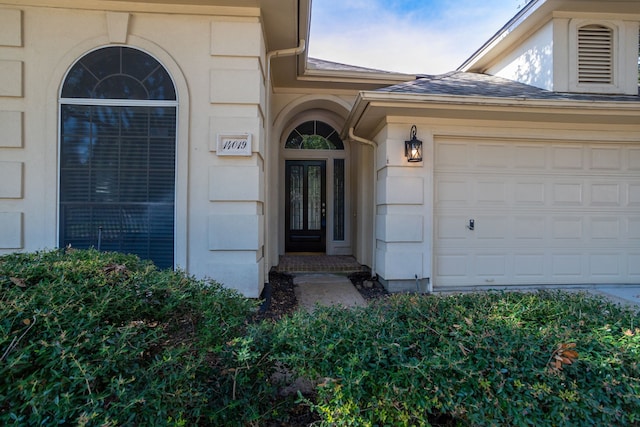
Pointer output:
x,y
617,62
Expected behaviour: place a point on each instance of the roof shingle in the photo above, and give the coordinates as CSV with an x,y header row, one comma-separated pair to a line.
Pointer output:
x,y
458,83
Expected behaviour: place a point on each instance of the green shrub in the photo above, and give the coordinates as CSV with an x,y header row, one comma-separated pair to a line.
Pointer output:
x,y
515,359
89,338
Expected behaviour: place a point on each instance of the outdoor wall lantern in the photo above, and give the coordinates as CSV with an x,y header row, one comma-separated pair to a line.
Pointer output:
x,y
413,147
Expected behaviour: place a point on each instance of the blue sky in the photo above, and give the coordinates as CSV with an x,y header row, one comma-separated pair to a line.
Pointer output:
x,y
410,36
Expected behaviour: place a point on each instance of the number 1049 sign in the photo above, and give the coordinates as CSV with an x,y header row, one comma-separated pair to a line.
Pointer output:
x,y
234,145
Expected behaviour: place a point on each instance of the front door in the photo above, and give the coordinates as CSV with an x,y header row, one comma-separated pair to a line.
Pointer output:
x,y
305,209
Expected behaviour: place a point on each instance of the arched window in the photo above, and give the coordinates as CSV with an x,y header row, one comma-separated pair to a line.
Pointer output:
x,y
117,155
314,135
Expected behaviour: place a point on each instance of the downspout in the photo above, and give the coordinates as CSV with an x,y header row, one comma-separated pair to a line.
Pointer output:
x,y
373,144
284,52
270,55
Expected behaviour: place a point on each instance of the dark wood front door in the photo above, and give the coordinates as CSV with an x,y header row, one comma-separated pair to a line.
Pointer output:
x,y
305,208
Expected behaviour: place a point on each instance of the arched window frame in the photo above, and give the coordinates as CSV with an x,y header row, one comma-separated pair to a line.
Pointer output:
x,y
121,102
313,130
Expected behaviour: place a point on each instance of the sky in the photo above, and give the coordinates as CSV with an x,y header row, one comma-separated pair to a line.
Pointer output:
x,y
407,36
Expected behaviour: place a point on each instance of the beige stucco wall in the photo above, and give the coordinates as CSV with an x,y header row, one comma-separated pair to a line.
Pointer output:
x,y
532,61
403,202
217,63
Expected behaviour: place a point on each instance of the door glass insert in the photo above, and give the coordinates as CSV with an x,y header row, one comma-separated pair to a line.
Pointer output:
x,y
305,206
315,198
296,197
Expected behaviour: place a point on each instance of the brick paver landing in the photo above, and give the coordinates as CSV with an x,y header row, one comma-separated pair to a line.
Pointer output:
x,y
319,263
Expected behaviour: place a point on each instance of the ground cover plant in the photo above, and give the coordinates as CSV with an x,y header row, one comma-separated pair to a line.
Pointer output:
x,y
89,338
511,359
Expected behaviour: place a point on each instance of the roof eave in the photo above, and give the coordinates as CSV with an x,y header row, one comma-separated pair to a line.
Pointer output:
x,y
393,102
355,76
479,56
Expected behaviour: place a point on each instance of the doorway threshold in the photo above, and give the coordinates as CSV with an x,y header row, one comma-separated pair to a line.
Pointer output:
x,y
313,262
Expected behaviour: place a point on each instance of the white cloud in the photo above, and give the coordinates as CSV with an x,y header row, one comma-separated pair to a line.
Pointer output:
x,y
425,37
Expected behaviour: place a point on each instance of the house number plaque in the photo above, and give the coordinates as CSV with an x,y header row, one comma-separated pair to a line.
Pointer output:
x,y
234,145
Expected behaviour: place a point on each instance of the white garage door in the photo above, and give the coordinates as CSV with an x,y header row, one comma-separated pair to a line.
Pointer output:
x,y
542,212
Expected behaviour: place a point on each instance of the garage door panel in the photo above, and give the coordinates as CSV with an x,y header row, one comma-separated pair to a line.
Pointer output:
x,y
567,158
478,268
529,193
634,229
605,194
530,157
545,213
605,228
452,192
454,265
566,264
566,228
493,266
633,158
491,228
529,266
451,227
633,266
491,191
528,228
633,194
492,156
522,231
605,265
567,194
606,158
453,154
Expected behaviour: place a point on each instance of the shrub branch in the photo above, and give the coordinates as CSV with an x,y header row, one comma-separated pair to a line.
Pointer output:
x,y
16,341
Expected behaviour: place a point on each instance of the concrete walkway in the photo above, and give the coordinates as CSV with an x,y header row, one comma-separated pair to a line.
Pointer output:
x,y
334,289
628,295
327,290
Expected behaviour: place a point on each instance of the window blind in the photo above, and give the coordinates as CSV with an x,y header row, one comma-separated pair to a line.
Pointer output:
x,y
117,179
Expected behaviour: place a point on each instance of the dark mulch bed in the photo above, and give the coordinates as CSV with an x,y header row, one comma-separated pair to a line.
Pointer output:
x,y
278,296
368,286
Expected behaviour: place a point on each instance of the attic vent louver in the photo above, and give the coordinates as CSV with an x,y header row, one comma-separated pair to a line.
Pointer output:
x,y
595,54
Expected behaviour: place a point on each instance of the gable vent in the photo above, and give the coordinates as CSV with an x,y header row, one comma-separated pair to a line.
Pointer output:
x,y
595,54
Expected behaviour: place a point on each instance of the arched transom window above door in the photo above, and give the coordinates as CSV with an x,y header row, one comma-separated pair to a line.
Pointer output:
x,y
314,135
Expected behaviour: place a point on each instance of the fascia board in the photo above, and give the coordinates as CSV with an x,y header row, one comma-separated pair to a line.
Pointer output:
x,y
249,10
461,100
519,24
394,103
355,77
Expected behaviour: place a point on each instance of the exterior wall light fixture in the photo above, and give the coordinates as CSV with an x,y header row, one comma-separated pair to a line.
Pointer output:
x,y
413,147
